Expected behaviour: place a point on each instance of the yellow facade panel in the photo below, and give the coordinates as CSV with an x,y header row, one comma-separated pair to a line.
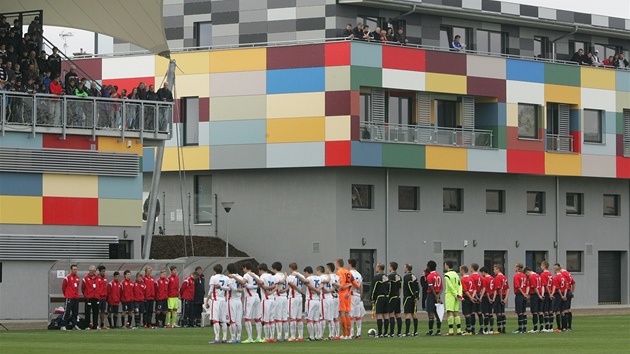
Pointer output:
x,y
446,83
598,78
106,144
238,60
446,158
337,78
557,164
312,104
194,158
296,130
238,108
189,62
563,94
21,210
197,85
622,101
511,111
338,128
119,212
77,186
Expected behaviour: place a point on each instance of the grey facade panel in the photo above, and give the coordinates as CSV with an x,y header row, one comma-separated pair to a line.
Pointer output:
x,y
222,18
225,6
309,24
491,5
282,26
277,4
529,11
252,28
615,22
198,8
565,16
174,33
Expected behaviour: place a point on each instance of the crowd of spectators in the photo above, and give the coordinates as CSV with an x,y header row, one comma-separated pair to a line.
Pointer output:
x,y
593,59
364,33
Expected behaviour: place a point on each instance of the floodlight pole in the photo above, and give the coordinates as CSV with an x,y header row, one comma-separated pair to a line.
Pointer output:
x,y
227,206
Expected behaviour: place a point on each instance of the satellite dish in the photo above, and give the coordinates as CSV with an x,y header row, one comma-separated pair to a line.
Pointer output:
x,y
64,35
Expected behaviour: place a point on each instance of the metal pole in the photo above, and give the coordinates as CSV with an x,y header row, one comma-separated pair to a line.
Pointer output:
x,y
227,235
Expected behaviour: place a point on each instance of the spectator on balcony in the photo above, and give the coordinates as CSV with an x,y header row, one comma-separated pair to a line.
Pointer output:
x,y
71,74
367,34
32,60
609,61
42,63
390,34
12,40
18,73
10,71
23,59
347,32
579,57
4,25
35,27
71,86
11,55
621,62
595,60
46,81
142,91
358,31
30,86
379,35
456,45
17,28
54,60
93,91
31,73
3,50
165,95
33,43
401,37
132,110
55,87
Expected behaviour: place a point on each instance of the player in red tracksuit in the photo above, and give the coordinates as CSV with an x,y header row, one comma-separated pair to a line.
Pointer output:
x,y
101,295
488,296
149,301
187,293
88,288
161,297
521,294
139,291
476,280
70,289
570,284
502,287
114,291
127,298
173,298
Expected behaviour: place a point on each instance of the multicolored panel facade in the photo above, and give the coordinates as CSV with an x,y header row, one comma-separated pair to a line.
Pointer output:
x,y
67,199
300,106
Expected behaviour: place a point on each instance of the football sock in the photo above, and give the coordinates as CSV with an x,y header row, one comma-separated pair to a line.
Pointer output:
x,y
248,328
379,325
292,327
520,323
535,321
564,320
431,322
285,326
392,323
224,329
468,326
352,321
217,330
300,327
458,323
480,316
359,323
309,326
569,319
491,323
109,320
450,321
137,319
386,326
559,321
407,325
540,320
439,324
399,322
167,320
258,330
415,325
278,330
232,331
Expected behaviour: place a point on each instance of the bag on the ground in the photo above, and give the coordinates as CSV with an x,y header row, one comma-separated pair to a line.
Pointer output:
x,y
55,323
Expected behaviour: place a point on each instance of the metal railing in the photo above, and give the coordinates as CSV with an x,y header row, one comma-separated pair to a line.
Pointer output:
x,y
96,116
559,143
426,135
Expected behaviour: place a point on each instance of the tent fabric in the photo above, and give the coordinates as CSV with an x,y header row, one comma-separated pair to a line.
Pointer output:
x,y
134,21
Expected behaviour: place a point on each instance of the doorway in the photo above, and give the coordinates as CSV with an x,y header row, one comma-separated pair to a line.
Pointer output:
x,y
609,278
365,266
490,258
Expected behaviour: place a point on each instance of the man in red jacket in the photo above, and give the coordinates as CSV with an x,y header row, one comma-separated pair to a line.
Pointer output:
x,y
149,282
88,288
139,295
70,289
127,298
161,298
55,88
187,293
101,295
114,291
173,298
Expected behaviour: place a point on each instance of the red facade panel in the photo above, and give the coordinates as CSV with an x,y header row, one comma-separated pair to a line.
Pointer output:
x,y
526,162
77,142
479,86
338,103
70,211
338,153
290,57
337,54
446,63
403,58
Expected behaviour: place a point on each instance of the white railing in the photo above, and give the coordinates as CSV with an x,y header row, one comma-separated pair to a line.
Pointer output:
x,y
559,143
426,135
94,116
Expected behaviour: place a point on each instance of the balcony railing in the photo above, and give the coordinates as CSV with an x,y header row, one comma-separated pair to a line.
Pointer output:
x,y
43,113
426,135
559,143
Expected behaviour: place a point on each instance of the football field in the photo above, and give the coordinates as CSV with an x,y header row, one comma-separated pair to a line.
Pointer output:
x,y
604,334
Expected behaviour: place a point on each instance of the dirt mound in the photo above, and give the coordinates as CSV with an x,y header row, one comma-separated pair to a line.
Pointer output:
x,y
168,247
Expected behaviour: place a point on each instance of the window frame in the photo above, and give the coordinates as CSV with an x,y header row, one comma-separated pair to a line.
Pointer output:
x,y
577,209
457,258
544,46
190,126
459,194
197,31
600,123
579,261
542,203
370,197
399,97
197,200
536,108
489,41
533,255
617,205
416,198
501,201
450,34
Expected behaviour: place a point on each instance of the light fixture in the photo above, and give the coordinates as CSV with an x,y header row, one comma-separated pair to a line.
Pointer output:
x,y
465,243
555,244
518,243
227,206
474,243
363,241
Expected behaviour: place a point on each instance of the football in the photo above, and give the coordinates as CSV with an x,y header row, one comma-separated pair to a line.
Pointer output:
x,y
371,332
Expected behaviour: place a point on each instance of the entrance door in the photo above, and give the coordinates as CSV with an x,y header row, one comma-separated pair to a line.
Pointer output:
x,y
365,266
490,258
609,279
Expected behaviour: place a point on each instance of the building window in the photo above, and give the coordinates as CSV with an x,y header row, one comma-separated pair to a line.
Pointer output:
x,y
535,202
576,45
527,121
574,261
575,204
452,199
366,107
490,42
606,50
541,47
612,205
495,201
190,112
362,196
373,22
203,34
534,258
447,34
593,126
455,256
399,109
408,198
204,200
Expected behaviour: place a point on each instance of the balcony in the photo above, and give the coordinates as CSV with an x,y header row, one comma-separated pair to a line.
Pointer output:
x,y
426,135
559,143
127,119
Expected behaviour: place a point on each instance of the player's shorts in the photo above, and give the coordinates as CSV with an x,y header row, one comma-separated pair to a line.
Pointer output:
x,y
314,310
430,303
102,305
556,303
546,306
409,305
486,306
127,306
328,309
295,308
345,305
566,305
253,308
394,305
160,305
112,308
268,310
138,306
337,306
173,303
451,304
235,310
476,306
380,306
498,306
282,308
534,303
357,309
519,303
467,306
218,309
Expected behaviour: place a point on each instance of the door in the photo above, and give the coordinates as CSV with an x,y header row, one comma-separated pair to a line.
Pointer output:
x,y
490,258
609,279
365,266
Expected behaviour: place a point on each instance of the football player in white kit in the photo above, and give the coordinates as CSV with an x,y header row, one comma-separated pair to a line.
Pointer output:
x,y
357,310
313,303
216,302
295,286
334,279
235,306
267,282
252,305
328,308
282,302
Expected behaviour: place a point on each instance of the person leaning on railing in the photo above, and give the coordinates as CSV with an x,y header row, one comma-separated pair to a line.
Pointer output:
x,y
55,107
165,95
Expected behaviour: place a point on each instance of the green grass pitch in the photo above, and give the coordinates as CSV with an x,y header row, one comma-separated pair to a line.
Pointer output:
x,y
603,334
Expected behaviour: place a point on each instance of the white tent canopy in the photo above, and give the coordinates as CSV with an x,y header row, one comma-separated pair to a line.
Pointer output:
x,y
135,21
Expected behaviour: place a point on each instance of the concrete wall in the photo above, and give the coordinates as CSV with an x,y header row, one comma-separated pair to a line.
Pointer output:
x,y
24,290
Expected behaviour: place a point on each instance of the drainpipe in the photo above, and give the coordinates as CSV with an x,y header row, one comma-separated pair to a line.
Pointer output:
x,y
557,241
386,215
553,43
413,9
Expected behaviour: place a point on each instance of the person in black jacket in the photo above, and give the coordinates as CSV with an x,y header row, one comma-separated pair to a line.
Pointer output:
x,y
578,57
347,32
200,293
165,95
411,294
395,285
54,61
358,31
379,297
